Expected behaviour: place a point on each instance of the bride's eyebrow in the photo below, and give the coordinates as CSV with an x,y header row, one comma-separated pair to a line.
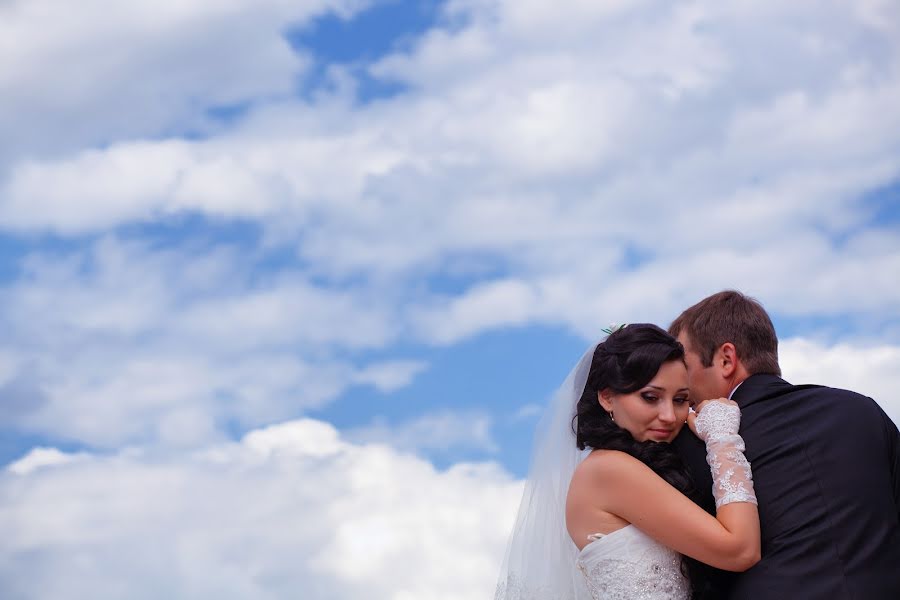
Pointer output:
x,y
662,389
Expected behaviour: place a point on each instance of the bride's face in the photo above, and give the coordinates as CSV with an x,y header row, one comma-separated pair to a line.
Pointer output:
x,y
658,410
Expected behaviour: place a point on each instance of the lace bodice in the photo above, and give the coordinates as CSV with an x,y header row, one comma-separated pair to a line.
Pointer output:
x,y
627,564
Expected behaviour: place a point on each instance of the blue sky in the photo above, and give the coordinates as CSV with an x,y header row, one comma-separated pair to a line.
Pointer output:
x,y
312,271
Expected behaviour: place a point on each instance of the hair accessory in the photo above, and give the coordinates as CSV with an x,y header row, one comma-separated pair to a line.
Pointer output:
x,y
613,327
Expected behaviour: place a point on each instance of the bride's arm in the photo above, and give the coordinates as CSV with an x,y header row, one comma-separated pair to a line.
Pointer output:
x,y
626,487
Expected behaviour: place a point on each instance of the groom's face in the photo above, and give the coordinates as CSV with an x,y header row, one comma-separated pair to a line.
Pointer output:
x,y
705,383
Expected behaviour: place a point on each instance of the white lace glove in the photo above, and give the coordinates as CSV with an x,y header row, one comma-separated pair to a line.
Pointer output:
x,y
717,425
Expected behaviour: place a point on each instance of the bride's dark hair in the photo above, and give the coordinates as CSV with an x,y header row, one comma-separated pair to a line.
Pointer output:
x,y
624,363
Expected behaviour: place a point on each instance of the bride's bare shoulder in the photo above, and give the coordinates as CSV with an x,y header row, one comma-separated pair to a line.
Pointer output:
x,y
596,488
609,469
609,462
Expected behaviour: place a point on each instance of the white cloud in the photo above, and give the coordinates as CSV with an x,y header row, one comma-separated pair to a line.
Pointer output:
x,y
39,458
618,172
637,137
585,296
291,509
390,376
440,432
135,181
494,304
527,411
127,343
86,75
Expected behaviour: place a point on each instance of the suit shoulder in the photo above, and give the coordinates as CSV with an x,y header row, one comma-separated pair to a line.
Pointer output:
x,y
840,394
849,407
853,400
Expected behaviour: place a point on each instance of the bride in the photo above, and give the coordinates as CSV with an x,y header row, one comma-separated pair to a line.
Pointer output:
x,y
606,512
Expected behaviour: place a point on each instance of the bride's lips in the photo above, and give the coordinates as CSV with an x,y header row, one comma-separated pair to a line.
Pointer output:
x,y
661,433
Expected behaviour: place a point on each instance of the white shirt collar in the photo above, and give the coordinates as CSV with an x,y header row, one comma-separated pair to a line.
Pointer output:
x,y
735,389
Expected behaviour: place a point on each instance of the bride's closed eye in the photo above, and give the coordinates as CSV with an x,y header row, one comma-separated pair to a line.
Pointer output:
x,y
649,397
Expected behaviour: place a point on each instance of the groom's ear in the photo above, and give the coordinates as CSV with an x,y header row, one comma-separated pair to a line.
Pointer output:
x,y
726,360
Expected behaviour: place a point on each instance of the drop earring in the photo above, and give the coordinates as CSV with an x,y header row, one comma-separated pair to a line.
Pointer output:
x,y
611,417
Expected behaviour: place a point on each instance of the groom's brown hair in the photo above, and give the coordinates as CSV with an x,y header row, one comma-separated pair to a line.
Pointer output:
x,y
730,316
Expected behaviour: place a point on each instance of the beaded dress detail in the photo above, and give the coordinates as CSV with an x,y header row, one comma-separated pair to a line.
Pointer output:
x,y
627,564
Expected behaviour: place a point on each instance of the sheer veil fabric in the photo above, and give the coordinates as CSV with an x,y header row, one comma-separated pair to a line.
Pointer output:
x,y
540,562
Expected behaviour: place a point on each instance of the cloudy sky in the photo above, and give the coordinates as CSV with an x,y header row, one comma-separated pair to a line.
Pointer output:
x,y
285,284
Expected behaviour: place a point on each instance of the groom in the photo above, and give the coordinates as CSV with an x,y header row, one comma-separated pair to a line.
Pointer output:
x,y
826,462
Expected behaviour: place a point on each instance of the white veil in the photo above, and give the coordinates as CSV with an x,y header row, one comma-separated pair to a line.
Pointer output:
x,y
540,557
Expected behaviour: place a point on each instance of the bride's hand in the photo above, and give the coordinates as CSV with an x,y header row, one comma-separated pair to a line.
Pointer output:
x,y
695,410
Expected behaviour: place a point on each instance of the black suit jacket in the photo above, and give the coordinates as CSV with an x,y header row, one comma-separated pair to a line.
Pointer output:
x,y
826,470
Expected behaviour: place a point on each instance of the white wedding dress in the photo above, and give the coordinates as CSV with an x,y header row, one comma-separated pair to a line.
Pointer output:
x,y
627,564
